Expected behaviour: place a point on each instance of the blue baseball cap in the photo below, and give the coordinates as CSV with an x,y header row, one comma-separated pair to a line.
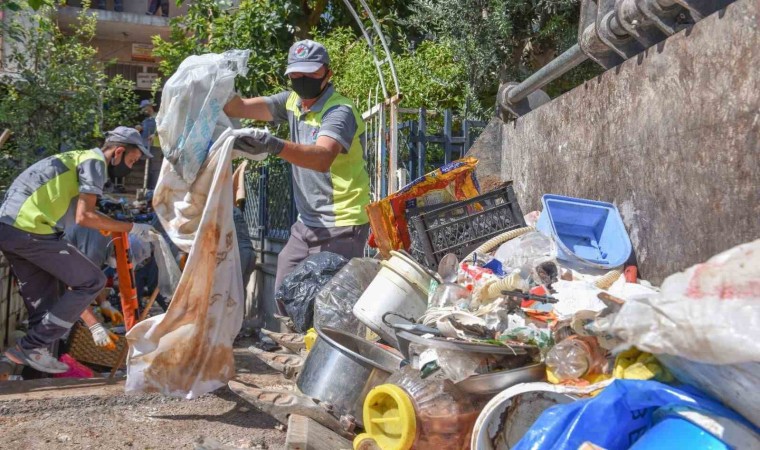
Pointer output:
x,y
307,56
130,136
145,103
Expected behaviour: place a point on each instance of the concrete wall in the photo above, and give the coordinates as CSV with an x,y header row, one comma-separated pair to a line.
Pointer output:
x,y
672,137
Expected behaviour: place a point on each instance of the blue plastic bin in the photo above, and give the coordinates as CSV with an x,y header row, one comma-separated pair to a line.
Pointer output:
x,y
676,433
587,231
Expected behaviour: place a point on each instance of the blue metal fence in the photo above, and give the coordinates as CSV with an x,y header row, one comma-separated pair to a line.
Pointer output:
x,y
420,157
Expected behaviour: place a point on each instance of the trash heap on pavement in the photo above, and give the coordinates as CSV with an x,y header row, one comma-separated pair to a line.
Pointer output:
x,y
480,327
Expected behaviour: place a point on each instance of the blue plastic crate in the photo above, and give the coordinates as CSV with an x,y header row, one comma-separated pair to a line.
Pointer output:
x,y
588,231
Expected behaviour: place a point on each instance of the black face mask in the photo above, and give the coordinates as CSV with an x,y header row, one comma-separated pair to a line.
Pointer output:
x,y
307,88
119,170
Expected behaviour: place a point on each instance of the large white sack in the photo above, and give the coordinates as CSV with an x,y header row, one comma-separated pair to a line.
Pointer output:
x,y
188,350
709,313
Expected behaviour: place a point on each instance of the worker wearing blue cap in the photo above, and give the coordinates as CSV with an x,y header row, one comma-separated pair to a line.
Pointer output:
x,y
326,149
149,133
40,202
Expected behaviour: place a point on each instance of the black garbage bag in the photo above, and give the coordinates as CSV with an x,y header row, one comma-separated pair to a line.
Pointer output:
x,y
300,288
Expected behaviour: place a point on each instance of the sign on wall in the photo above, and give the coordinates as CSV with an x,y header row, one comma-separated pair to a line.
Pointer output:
x,y
142,52
145,80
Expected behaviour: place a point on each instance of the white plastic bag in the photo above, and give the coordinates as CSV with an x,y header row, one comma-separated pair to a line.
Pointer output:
x,y
191,107
709,313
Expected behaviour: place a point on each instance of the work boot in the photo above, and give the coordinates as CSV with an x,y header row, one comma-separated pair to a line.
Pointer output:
x,y
38,359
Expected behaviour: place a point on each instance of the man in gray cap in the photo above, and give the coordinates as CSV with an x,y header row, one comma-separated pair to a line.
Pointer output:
x,y
330,182
50,194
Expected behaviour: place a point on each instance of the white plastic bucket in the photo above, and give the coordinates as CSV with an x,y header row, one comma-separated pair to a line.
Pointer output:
x,y
510,414
401,286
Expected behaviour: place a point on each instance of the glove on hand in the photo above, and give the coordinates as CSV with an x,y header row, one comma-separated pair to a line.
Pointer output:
x,y
101,337
111,313
257,142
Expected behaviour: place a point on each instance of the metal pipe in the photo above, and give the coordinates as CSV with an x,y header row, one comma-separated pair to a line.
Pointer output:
x,y
545,75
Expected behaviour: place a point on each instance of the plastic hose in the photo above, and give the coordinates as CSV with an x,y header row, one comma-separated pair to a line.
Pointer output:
x,y
609,278
490,244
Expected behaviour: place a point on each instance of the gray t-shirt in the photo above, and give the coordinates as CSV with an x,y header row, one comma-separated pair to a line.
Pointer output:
x,y
43,214
313,191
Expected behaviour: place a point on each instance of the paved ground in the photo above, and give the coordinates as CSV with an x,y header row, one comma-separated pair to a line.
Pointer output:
x,y
74,414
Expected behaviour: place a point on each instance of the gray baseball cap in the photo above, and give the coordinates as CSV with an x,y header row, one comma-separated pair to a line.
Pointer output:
x,y
127,135
307,56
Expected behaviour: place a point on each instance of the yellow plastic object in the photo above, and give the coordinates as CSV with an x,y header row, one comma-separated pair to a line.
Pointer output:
x,y
389,418
310,338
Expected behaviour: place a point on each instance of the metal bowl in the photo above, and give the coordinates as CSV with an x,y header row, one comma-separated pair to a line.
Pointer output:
x,y
492,383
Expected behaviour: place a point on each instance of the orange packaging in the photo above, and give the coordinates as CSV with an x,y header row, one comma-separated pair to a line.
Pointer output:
x,y
453,182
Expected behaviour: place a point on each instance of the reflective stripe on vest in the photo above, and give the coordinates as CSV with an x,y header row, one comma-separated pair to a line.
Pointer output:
x,y
42,210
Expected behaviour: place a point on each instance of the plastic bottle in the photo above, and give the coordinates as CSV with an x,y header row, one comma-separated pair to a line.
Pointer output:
x,y
576,357
413,413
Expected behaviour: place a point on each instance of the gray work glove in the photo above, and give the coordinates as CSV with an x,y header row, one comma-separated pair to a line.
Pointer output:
x,y
255,141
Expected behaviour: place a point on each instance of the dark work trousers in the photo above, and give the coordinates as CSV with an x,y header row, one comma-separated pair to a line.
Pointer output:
x,y
44,264
146,281
348,242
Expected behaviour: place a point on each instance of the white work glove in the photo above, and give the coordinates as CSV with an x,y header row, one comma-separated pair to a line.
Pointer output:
x,y
141,230
255,141
101,337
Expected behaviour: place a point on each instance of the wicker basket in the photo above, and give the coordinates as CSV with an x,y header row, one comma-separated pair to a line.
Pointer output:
x,y
83,348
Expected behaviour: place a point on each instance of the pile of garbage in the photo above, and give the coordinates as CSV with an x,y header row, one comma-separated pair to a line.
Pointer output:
x,y
480,327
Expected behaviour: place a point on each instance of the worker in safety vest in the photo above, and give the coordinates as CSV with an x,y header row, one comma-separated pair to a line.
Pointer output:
x,y
51,193
330,182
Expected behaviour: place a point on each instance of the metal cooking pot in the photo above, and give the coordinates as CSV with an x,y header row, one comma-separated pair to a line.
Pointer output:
x,y
342,368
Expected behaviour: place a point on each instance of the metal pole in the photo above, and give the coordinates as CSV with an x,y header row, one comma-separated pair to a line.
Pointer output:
x,y
421,142
393,150
545,75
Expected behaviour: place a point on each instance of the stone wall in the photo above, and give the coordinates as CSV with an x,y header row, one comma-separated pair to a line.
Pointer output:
x,y
672,137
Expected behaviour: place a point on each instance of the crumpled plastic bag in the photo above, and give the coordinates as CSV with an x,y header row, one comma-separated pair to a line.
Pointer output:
x,y
192,107
168,269
187,351
335,302
615,418
709,313
300,287
526,252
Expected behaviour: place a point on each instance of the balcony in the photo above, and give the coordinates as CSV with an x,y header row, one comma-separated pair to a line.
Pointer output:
x,y
119,26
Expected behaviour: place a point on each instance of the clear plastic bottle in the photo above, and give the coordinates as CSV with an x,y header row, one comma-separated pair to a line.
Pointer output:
x,y
576,357
411,413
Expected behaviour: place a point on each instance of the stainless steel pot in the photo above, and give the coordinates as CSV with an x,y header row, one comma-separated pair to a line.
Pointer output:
x,y
341,369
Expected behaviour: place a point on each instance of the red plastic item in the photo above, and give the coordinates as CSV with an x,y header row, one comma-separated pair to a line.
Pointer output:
x,y
76,369
631,274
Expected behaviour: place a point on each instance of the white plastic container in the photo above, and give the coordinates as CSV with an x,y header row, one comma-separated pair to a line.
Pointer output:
x,y
401,286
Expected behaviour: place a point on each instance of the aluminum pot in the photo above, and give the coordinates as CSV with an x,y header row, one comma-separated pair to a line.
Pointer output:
x,y
342,368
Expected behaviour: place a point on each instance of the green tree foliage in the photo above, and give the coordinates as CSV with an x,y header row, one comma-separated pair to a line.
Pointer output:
x,y
211,26
501,40
429,75
54,95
